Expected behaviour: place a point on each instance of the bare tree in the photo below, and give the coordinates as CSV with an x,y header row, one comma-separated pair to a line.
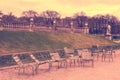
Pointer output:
x,y
1,14
50,14
79,14
29,13
81,18
9,18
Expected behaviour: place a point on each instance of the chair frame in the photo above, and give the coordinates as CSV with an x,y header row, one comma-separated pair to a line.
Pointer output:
x,y
86,56
22,66
38,62
56,58
71,58
107,53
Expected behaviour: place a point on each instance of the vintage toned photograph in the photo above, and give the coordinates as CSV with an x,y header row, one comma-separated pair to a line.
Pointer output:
x,y
59,40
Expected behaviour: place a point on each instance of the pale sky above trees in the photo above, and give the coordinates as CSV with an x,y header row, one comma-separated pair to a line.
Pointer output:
x,y
64,7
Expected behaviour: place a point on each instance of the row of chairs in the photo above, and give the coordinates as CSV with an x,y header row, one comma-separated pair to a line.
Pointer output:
x,y
105,52
64,58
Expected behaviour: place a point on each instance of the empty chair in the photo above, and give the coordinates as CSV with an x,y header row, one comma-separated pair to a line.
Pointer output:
x,y
22,67
107,53
56,58
38,62
86,57
95,51
41,58
70,55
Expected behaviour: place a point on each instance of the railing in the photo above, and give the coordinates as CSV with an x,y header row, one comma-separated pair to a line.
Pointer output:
x,y
26,27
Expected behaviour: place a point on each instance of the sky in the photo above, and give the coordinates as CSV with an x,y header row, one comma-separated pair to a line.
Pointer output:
x,y
64,7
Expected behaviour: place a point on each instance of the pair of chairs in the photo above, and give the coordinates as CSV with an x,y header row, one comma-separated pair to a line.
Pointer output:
x,y
83,56
53,57
105,52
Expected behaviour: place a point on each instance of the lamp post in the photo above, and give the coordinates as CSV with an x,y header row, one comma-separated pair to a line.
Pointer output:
x,y
31,24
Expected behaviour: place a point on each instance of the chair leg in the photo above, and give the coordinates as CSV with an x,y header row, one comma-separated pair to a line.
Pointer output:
x,y
59,64
92,63
83,63
19,71
35,70
70,63
97,56
103,57
78,61
65,64
50,65
112,57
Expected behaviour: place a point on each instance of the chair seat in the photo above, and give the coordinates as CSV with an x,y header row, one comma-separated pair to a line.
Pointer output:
x,y
87,58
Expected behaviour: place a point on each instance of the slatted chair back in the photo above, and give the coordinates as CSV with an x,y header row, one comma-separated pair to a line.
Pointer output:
x,y
79,52
22,67
86,54
55,56
33,57
17,60
69,52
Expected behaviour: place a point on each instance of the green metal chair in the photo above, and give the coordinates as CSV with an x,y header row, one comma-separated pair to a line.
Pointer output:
x,y
86,57
21,66
71,57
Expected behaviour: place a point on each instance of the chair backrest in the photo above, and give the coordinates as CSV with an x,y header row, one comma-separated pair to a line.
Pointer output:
x,y
69,52
80,52
17,59
33,57
86,54
55,56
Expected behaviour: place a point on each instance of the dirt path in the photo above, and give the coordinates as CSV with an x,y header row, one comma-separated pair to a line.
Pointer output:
x,y
101,71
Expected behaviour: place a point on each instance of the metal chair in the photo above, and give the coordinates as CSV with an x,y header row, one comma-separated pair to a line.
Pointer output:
x,y
56,58
70,55
38,62
86,57
107,53
21,66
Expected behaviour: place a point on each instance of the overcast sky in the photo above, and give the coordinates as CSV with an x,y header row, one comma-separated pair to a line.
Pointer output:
x,y
64,7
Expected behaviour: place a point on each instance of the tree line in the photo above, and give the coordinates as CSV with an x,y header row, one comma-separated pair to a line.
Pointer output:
x,y
97,23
